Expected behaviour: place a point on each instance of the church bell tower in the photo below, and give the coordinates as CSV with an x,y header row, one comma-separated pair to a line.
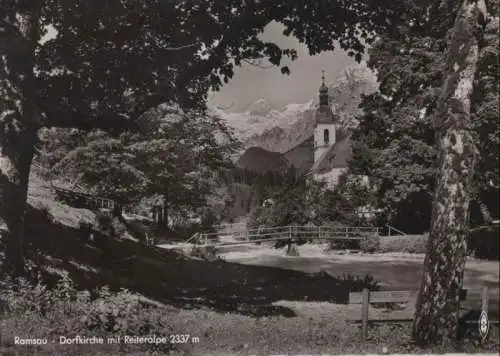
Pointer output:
x,y
324,131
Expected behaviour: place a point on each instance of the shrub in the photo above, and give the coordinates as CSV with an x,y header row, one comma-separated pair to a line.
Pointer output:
x,y
370,243
84,225
404,243
40,311
342,244
205,252
258,217
357,283
45,212
483,243
104,221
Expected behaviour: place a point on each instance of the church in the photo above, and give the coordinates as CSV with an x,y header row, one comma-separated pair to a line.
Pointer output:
x,y
332,146
324,155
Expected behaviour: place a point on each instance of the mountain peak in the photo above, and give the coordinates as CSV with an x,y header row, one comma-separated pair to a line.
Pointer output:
x,y
358,71
280,130
261,107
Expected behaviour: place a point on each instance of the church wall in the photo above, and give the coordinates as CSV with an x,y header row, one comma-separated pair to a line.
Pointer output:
x,y
319,145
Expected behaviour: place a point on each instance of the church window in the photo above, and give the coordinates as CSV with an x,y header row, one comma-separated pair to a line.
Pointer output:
x,y
326,136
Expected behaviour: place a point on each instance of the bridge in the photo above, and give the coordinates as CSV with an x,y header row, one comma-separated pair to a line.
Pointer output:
x,y
282,233
80,199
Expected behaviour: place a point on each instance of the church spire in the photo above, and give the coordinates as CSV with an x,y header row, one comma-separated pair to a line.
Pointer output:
x,y
323,91
324,114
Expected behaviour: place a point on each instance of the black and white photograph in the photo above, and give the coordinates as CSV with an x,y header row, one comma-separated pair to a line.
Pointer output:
x,y
249,177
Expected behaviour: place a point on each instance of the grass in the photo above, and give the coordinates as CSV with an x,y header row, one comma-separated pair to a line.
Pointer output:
x,y
172,278
316,328
321,329
404,243
233,309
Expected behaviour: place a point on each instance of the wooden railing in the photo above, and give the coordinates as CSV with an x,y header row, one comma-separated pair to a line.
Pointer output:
x,y
230,226
285,233
392,228
85,199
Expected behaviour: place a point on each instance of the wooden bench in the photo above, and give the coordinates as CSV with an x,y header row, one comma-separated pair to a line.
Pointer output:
x,y
366,298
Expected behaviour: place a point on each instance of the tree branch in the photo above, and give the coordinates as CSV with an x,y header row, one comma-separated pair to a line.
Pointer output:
x,y
257,64
181,47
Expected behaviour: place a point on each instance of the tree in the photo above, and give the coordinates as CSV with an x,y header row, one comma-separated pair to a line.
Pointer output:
x,y
101,163
173,156
111,61
124,65
396,140
343,203
297,201
438,300
400,150
181,154
396,135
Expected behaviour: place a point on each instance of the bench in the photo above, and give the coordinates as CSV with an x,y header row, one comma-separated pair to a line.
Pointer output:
x,y
365,298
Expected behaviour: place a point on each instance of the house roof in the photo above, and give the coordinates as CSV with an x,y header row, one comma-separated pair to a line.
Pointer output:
x,y
337,156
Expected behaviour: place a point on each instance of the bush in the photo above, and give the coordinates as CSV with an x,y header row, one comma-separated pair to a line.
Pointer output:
x,y
45,211
370,243
483,244
404,243
259,217
358,283
342,244
43,312
104,221
83,225
205,252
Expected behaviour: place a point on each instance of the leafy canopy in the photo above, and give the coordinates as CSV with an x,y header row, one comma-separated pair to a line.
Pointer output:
x,y
396,134
110,61
174,155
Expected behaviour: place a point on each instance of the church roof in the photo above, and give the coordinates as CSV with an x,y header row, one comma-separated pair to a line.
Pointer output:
x,y
324,114
337,156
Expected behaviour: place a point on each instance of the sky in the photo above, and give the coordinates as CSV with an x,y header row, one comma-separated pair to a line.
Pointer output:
x,y
250,83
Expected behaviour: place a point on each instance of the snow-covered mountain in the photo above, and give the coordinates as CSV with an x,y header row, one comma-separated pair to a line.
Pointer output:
x,y
263,126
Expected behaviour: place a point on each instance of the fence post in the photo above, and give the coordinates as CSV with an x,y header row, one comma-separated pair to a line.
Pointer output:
x,y
346,232
389,230
484,299
484,327
364,312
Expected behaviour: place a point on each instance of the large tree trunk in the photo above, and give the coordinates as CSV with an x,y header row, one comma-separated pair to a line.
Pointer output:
x,y
436,316
18,125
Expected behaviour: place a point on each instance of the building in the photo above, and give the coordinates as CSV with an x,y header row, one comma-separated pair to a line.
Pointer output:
x,y
331,145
